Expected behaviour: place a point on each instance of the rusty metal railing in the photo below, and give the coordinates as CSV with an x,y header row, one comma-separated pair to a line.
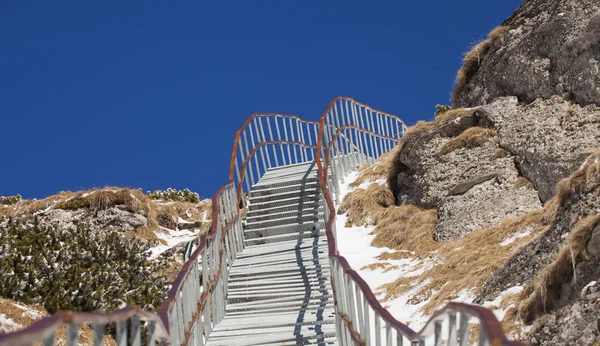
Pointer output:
x,y
347,135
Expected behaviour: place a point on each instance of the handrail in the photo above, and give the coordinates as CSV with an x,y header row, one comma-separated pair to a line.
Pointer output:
x,y
348,134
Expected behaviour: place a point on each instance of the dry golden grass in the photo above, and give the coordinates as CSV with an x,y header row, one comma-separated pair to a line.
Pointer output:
x,y
98,199
385,267
479,256
545,290
29,206
500,153
471,138
366,206
523,182
375,171
406,227
168,214
396,255
472,61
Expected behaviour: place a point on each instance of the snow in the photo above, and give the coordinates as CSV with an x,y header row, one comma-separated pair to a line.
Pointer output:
x,y
496,302
172,238
354,243
514,237
7,324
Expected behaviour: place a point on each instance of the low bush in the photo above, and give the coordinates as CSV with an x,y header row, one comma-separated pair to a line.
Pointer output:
x,y
172,195
76,269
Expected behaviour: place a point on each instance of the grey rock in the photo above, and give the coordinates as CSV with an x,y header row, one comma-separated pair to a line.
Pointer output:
x,y
533,257
466,186
549,138
189,225
553,47
459,183
577,324
106,220
485,205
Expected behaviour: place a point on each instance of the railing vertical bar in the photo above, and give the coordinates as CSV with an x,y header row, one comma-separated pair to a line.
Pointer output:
x,y
388,334
121,333
151,336
259,140
452,328
438,333
136,335
359,134
380,127
463,331
483,338
97,334
268,120
264,139
73,334
49,341
377,329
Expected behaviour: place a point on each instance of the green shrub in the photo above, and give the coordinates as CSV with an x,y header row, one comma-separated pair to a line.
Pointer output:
x,y
439,109
10,200
172,195
76,269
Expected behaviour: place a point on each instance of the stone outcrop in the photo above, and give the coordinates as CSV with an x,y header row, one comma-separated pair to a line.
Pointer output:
x,y
459,169
578,324
577,200
552,47
548,138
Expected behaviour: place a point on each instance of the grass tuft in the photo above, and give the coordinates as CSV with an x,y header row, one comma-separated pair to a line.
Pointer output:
x,y
471,138
545,291
472,61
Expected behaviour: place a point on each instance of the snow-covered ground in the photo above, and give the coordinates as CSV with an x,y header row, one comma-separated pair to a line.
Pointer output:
x,y
354,243
172,238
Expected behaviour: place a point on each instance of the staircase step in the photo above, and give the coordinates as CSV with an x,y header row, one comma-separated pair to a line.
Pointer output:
x,y
298,201
286,209
284,237
283,215
283,221
290,187
285,195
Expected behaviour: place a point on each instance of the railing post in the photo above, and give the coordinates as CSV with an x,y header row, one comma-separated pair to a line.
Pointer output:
x,y
452,328
464,329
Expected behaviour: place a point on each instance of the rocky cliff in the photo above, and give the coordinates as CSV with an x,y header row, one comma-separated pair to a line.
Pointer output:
x,y
549,47
523,159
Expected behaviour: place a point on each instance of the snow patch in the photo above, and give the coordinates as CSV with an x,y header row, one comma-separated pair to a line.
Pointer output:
x,y
515,236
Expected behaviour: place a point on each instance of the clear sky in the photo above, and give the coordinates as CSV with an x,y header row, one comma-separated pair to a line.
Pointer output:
x,y
150,93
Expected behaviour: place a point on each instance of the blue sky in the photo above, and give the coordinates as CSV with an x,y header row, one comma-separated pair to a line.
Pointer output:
x,y
149,94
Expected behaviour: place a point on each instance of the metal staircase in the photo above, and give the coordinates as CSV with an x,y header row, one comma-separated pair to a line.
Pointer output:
x,y
279,292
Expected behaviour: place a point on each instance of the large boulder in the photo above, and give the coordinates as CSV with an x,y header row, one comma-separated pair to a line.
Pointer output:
x,y
552,47
459,169
548,138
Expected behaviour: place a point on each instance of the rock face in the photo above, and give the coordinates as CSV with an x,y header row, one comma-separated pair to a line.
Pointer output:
x,y
107,220
579,324
459,169
549,138
553,47
532,258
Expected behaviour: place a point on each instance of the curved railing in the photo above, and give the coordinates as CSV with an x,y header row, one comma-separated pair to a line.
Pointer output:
x,y
347,135
266,140
45,329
